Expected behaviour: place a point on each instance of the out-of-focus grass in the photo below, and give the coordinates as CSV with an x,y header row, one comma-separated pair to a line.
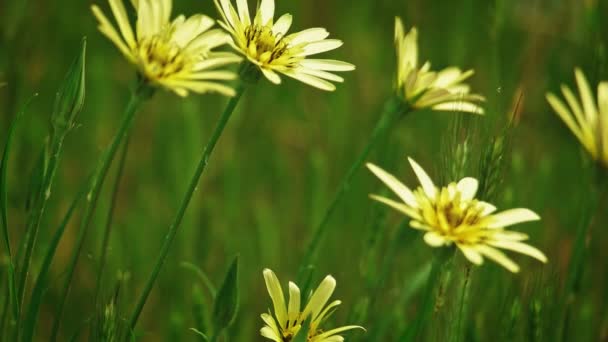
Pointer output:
x,y
284,152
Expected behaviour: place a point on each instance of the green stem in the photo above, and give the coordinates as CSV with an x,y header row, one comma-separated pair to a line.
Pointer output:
x,y
41,283
56,145
441,259
141,93
462,304
170,236
108,228
599,194
12,284
393,110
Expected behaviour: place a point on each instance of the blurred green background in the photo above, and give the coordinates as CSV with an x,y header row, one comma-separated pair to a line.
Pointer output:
x,y
284,152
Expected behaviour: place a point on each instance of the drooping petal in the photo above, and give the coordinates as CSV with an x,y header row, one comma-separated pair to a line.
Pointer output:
x,y
471,254
497,256
519,247
512,216
327,64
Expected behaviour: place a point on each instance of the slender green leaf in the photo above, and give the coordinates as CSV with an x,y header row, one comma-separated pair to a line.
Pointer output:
x,y
227,301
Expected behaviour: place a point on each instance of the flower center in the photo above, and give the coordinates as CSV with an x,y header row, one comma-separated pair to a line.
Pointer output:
x,y
451,216
263,45
160,57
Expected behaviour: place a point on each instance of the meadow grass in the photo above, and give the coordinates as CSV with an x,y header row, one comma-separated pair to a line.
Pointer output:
x,y
112,231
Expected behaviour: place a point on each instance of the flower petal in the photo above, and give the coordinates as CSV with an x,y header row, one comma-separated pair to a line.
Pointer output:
x,y
319,298
520,248
498,256
512,216
276,294
425,180
406,195
294,301
282,25
266,11
468,188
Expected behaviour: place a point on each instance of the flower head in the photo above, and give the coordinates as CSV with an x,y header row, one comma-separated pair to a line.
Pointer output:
x,y
422,88
288,319
452,215
266,44
176,55
588,122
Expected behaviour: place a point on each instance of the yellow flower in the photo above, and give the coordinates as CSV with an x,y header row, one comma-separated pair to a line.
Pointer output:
x,y
288,319
588,122
422,88
266,44
176,55
452,215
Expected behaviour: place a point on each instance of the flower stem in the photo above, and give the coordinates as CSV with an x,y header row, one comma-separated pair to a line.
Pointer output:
x,y
170,236
596,201
393,110
141,93
108,227
441,259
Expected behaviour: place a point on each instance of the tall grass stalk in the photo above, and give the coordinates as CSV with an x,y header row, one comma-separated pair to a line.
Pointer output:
x,y
11,300
109,220
202,164
441,261
141,93
394,109
597,200
41,283
69,102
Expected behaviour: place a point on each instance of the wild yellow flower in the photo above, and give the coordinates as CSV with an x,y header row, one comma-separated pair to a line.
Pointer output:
x,y
266,44
288,319
588,122
176,55
452,215
422,88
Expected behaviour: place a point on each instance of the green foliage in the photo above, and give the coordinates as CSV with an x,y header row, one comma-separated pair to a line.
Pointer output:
x,y
274,175
226,303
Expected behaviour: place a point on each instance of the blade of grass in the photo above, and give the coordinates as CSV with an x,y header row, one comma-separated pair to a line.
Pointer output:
x,y
440,260
68,104
41,283
170,236
108,228
12,298
140,95
393,110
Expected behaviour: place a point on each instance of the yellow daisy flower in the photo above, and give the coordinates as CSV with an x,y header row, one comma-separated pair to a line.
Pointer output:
x,y
588,122
266,44
452,215
422,88
176,55
288,319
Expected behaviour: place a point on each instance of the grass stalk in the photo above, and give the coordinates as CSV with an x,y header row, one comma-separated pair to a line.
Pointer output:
x,y
141,93
109,220
393,110
41,283
174,227
440,261
12,300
